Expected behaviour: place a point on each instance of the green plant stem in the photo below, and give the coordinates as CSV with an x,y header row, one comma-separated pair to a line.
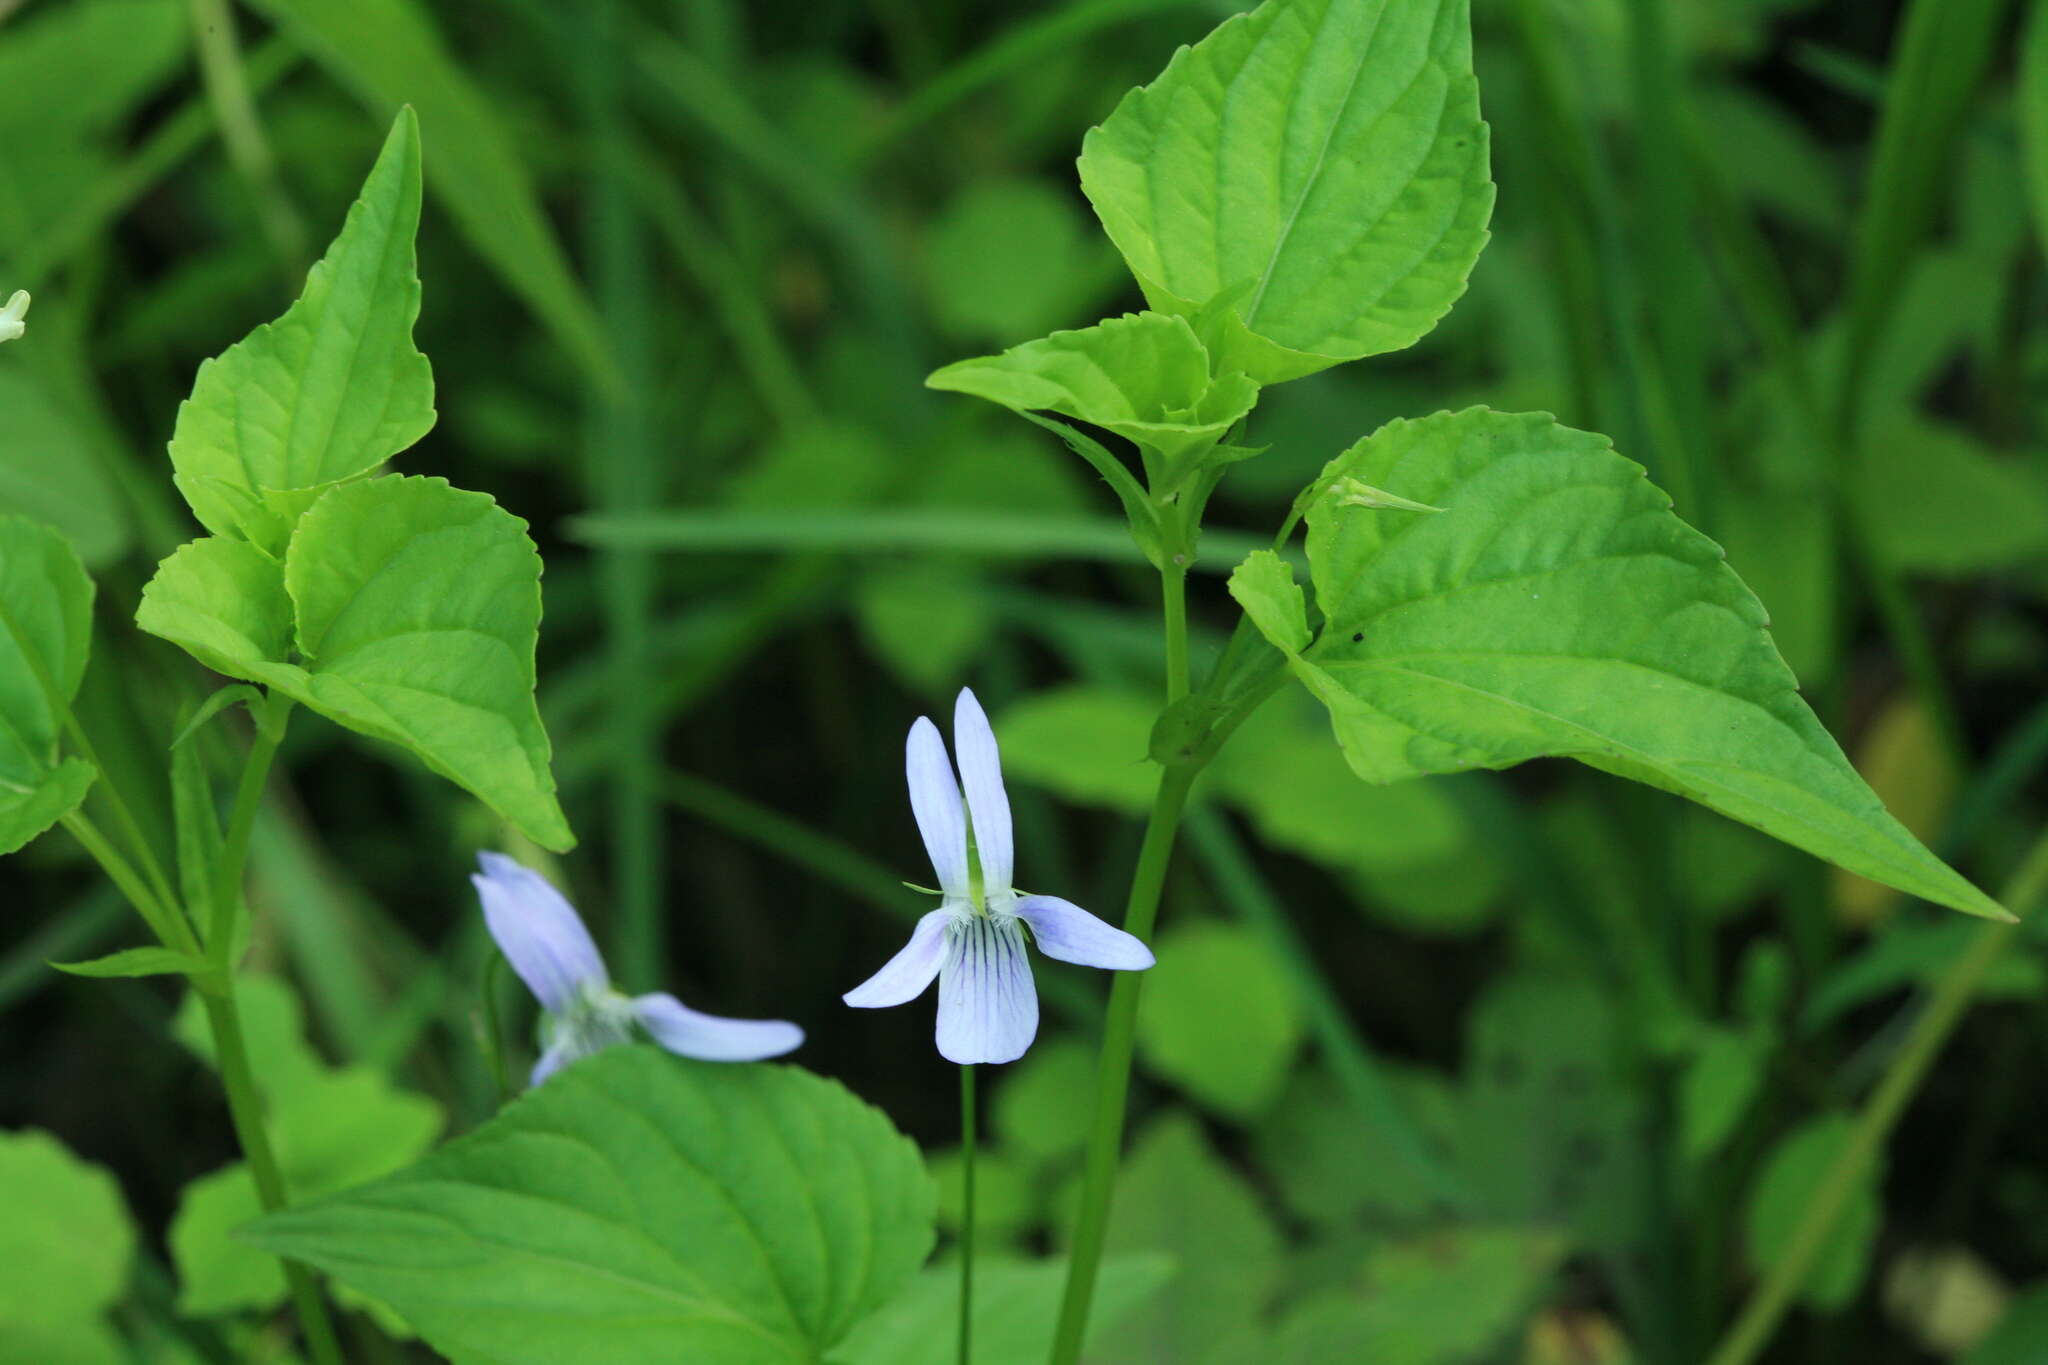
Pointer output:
x,y
224,1016
245,1109
271,719
967,1142
1173,583
1113,1073
1895,1090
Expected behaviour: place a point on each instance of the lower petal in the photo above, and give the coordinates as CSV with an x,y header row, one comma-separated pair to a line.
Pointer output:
x,y
1064,930
709,1038
988,1006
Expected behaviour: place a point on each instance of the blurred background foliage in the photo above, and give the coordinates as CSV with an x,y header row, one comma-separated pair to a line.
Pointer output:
x,y
686,265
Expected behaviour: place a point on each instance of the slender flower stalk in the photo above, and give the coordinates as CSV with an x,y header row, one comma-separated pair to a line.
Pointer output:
x,y
544,939
974,942
967,1144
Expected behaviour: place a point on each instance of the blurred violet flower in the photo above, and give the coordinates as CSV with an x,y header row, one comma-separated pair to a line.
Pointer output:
x,y
11,324
545,941
988,1007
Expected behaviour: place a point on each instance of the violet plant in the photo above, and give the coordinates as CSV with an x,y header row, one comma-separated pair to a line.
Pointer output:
x,y
1309,186
1306,187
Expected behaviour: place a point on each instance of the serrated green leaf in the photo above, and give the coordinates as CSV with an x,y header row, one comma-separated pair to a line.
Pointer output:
x,y
1016,1305
1779,1198
1309,181
1558,608
223,602
636,1207
66,1240
1264,586
136,962
415,607
45,636
330,390
1221,1019
1144,376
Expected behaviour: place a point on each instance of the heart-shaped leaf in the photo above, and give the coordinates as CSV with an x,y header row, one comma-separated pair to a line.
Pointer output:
x,y
1557,607
638,1207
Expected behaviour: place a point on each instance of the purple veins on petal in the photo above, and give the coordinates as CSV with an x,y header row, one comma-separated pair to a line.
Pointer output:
x,y
539,932
1064,930
988,1005
710,1038
904,976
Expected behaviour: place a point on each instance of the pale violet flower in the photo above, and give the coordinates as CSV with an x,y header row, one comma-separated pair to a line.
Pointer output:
x,y
544,939
974,942
11,324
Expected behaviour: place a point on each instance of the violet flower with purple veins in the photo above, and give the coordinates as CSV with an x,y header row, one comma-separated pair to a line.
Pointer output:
x,y
974,942
544,939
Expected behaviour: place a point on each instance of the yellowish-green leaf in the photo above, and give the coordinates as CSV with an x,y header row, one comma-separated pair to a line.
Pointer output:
x,y
1144,376
330,390
1309,182
1559,608
1264,586
415,609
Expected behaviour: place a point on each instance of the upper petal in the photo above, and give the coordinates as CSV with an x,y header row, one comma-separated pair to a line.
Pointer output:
x,y
539,932
709,1038
904,976
988,1006
981,774
1065,931
935,800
